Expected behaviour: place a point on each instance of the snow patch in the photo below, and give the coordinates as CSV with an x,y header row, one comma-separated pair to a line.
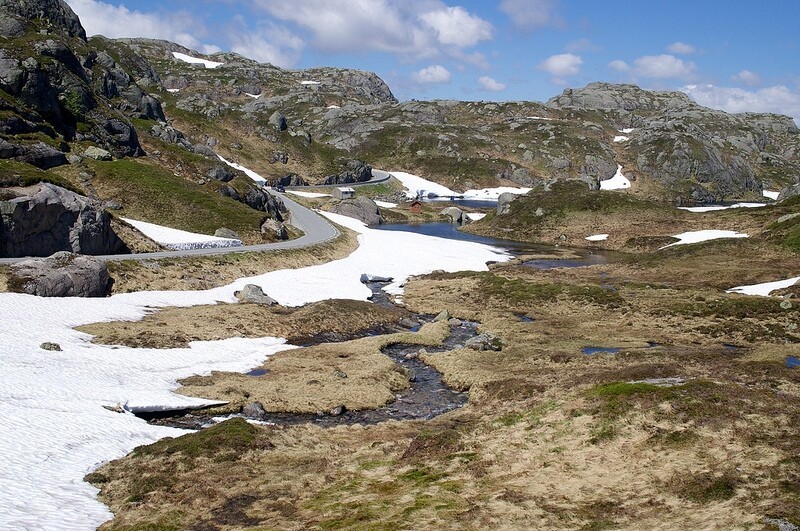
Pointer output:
x,y
417,186
254,96
491,194
704,235
310,195
765,288
180,240
475,216
250,173
712,208
386,204
173,91
55,428
617,182
195,60
310,83
621,138
627,131
771,195
597,237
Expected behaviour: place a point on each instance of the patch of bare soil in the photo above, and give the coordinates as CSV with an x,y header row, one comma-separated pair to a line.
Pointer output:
x,y
694,421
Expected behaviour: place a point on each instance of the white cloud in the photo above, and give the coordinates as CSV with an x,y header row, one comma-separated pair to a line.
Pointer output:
x,y
777,99
581,45
274,45
490,84
100,18
530,14
411,30
681,48
562,65
454,26
619,65
663,66
747,77
434,74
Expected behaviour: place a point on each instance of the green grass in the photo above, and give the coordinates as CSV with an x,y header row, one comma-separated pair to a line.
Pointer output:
x,y
154,194
518,291
13,173
222,442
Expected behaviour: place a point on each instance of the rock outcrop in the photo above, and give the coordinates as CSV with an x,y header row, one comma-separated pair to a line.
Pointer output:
x,y
63,274
361,208
357,172
47,218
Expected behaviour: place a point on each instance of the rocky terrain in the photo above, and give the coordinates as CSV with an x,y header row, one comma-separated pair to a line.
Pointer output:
x,y
635,393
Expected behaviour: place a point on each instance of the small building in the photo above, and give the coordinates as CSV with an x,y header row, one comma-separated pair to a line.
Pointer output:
x,y
415,207
344,193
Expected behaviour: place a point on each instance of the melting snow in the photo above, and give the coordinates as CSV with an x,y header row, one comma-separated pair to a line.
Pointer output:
x,y
309,82
386,204
181,240
597,237
310,195
765,288
475,216
55,429
617,182
195,60
250,173
771,195
704,235
627,131
712,208
417,186
254,96
621,138
173,91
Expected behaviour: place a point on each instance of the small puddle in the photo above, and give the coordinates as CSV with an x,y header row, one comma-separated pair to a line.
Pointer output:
x,y
792,362
591,351
257,372
525,318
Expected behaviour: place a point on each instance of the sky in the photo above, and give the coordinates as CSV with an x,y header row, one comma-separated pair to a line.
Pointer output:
x,y
734,55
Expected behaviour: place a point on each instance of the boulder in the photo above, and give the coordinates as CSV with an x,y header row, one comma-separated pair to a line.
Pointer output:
x,y
456,215
504,202
291,180
220,173
361,208
272,226
42,156
278,121
96,153
49,219
224,232
252,293
254,410
63,274
484,342
356,172
374,278
444,315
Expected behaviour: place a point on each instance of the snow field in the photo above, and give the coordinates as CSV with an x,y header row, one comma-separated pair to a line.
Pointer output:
x,y
180,240
195,60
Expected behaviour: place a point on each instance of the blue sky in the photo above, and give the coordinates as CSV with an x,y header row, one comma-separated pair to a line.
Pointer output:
x,y
731,54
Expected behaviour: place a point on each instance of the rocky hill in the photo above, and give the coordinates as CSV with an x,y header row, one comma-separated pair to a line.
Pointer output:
x,y
63,96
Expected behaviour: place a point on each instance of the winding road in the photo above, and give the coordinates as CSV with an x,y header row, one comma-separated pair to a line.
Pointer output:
x,y
316,229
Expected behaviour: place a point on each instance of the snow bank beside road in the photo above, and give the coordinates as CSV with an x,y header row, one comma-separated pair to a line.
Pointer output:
x,y
180,240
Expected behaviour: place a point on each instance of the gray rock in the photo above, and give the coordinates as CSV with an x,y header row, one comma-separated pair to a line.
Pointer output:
x,y
254,410
484,342
291,180
55,13
340,374
361,208
444,315
47,345
278,121
337,411
220,173
224,232
454,322
96,153
789,191
504,202
63,274
42,156
272,226
49,219
456,215
787,217
252,293
357,172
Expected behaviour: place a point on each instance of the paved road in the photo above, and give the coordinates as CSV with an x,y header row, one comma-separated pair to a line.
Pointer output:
x,y
378,176
316,230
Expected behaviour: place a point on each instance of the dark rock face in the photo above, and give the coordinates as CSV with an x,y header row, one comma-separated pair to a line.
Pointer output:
x,y
53,219
257,199
56,12
357,172
362,208
63,274
291,180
